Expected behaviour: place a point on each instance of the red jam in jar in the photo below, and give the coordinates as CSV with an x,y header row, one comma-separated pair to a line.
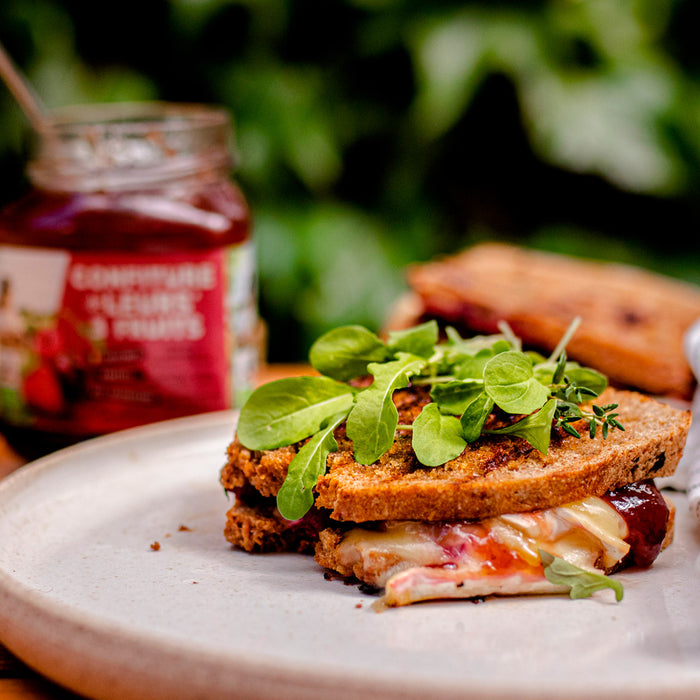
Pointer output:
x,y
127,277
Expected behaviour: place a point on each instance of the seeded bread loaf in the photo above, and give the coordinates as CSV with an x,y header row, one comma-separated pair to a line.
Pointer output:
x,y
633,320
493,475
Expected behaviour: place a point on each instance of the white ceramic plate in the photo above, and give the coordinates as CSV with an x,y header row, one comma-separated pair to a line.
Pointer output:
x,y
87,601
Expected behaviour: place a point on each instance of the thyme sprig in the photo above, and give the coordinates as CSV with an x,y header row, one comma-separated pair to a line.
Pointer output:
x,y
570,396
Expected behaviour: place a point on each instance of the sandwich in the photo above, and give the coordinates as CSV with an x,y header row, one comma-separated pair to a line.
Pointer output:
x,y
490,282
429,467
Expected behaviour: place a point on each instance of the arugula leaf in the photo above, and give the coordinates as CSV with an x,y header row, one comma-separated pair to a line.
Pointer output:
x,y
373,419
291,409
535,428
465,358
419,340
572,373
454,397
559,372
437,438
472,366
581,583
344,353
510,381
469,377
535,358
587,378
295,497
475,416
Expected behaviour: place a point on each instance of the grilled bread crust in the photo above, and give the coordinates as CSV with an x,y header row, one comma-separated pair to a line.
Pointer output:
x,y
494,475
262,529
633,320
264,470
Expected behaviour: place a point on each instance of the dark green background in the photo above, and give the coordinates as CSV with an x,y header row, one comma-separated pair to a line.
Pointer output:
x,y
375,133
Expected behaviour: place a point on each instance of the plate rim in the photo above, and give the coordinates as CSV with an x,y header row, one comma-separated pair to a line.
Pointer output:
x,y
110,646
255,678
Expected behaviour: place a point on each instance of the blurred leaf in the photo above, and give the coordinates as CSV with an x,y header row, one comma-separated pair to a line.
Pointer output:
x,y
449,58
356,278
380,140
280,111
344,268
606,125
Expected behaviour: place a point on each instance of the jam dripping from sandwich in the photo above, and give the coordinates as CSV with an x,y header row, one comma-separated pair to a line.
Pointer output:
x,y
646,514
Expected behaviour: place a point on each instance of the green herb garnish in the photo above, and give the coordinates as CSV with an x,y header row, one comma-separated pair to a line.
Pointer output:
x,y
468,379
373,419
308,464
581,583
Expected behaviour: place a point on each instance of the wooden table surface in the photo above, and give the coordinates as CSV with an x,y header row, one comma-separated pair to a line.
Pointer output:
x,y
18,681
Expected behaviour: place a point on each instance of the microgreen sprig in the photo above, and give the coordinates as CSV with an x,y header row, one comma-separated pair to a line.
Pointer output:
x,y
580,582
468,377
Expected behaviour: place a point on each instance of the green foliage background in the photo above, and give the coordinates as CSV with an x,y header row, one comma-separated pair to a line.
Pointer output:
x,y
375,133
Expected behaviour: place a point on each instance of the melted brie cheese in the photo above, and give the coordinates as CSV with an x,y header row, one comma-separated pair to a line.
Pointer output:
x,y
415,561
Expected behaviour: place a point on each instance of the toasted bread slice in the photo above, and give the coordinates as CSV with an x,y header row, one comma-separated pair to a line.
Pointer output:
x,y
260,528
265,471
494,475
634,320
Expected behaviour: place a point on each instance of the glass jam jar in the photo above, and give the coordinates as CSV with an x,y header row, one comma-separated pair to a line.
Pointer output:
x,y
127,276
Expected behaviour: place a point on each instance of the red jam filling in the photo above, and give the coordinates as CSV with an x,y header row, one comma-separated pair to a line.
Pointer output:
x,y
646,514
152,221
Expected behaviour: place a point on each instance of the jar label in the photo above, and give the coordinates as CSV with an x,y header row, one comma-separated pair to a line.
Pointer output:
x,y
96,342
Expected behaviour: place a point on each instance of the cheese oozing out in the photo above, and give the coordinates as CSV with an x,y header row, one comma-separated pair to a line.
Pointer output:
x,y
414,561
